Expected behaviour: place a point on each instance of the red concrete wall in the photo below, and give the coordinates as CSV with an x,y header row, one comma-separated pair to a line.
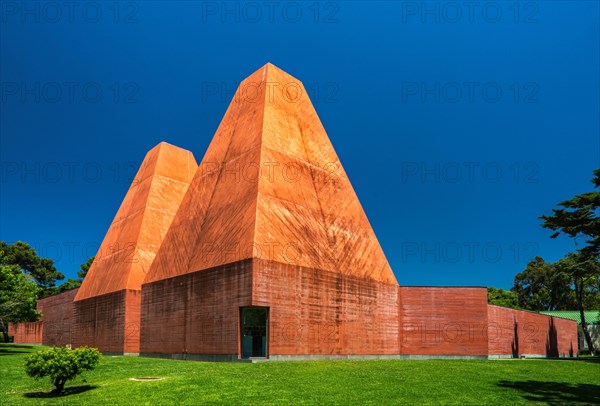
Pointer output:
x,y
566,336
196,313
26,332
311,312
443,321
515,332
133,304
503,331
57,317
55,325
101,322
315,312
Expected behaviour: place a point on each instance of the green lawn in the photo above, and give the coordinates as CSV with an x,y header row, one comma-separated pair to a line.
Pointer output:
x,y
310,382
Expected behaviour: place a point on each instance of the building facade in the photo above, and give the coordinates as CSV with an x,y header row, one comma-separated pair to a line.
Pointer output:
x,y
264,251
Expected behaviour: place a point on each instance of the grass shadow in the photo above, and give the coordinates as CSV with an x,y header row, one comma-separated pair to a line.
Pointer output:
x,y
594,360
5,352
9,345
555,393
9,349
70,390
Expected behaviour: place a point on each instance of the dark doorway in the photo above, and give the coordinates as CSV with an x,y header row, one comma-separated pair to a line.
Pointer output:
x,y
254,331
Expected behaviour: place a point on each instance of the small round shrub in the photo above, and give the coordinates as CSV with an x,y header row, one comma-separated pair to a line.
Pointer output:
x,y
61,364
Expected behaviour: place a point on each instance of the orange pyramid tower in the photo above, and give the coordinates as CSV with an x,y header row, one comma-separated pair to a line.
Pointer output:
x,y
115,278
269,232
271,186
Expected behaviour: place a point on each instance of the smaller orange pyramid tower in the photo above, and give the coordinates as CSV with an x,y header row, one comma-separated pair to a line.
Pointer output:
x,y
141,222
107,305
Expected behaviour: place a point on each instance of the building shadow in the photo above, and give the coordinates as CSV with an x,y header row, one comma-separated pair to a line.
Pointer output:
x,y
571,354
555,393
515,343
552,340
70,390
593,360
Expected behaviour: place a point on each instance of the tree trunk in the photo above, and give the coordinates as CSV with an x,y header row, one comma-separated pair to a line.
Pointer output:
x,y
4,330
60,386
586,333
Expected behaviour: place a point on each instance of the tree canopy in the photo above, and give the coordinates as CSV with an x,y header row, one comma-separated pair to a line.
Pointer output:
x,y
544,286
18,295
75,283
42,270
84,268
501,297
578,217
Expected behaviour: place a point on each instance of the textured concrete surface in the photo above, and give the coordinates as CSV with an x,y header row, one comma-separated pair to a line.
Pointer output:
x,y
26,332
141,222
367,357
321,312
107,306
271,186
58,318
109,322
196,313
311,311
443,321
55,326
517,333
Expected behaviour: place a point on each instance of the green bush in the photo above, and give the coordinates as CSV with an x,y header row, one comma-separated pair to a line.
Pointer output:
x,y
61,364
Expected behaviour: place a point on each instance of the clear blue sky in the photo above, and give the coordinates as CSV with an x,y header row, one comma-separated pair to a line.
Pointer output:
x,y
457,125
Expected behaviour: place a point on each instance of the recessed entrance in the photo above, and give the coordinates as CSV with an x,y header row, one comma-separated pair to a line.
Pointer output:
x,y
254,331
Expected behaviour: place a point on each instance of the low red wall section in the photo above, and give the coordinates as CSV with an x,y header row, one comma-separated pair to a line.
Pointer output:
x,y
516,332
109,322
55,325
311,313
443,321
316,312
27,332
196,313
57,317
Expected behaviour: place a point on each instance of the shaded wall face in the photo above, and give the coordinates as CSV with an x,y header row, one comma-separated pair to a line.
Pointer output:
x,y
503,331
57,317
196,313
443,321
514,332
319,312
108,322
565,332
26,332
